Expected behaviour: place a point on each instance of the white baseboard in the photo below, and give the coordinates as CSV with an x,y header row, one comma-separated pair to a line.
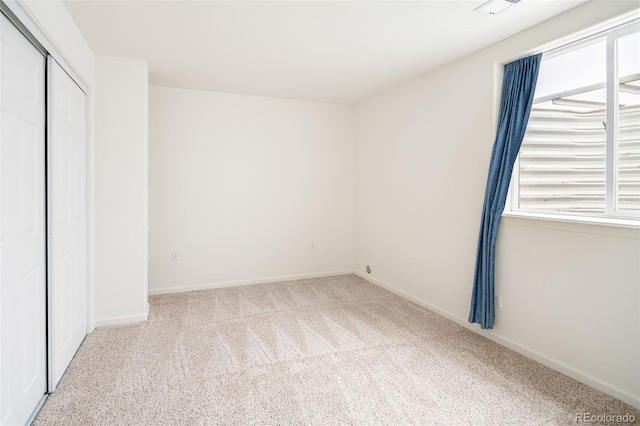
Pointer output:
x,y
123,320
226,284
554,364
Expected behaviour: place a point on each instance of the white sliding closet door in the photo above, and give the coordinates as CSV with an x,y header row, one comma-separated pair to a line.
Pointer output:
x,y
23,380
67,220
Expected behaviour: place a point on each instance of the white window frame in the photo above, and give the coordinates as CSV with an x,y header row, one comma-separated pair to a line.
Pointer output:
x,y
611,216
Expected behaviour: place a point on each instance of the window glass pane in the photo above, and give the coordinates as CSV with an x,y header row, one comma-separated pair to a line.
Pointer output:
x,y
629,123
629,55
572,70
562,158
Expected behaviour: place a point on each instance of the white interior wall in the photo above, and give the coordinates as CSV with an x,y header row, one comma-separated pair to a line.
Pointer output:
x,y
121,189
240,186
570,292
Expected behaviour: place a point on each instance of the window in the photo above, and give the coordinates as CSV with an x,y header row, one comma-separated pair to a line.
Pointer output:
x,y
581,152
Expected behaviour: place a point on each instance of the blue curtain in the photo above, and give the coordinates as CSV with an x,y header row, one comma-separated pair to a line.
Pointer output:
x,y
518,86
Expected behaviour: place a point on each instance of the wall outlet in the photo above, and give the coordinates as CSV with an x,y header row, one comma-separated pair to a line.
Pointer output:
x,y
174,256
498,301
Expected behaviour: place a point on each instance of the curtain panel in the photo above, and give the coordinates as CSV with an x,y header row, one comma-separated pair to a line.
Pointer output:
x,y
518,87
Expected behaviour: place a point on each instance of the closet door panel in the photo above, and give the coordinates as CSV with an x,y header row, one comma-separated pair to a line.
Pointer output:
x,y
22,226
67,219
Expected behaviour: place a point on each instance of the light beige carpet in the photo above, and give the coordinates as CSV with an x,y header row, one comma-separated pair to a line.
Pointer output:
x,y
323,351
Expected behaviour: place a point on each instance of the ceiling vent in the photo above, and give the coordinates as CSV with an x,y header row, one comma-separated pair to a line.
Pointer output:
x,y
493,7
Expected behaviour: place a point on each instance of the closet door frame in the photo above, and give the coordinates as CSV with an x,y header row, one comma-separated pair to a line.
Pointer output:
x,y
26,24
22,19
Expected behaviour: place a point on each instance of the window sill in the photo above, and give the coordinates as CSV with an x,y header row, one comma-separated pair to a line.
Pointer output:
x,y
625,228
